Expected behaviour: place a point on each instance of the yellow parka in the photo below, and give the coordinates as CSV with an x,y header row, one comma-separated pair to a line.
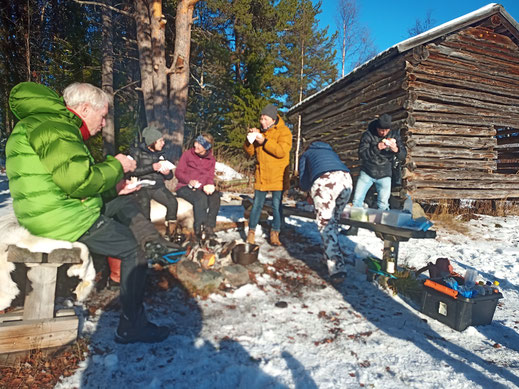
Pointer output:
x,y
272,157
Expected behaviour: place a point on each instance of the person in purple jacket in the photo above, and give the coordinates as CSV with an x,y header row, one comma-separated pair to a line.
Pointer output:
x,y
195,175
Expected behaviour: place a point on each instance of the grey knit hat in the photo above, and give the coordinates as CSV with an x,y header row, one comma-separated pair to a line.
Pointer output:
x,y
271,111
384,121
151,134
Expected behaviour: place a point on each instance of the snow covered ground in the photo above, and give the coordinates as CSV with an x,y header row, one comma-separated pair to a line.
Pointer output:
x,y
348,335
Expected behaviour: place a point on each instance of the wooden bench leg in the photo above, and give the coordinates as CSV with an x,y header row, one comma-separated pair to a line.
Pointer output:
x,y
40,293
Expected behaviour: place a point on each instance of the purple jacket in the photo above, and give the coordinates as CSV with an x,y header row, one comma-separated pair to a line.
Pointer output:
x,y
193,167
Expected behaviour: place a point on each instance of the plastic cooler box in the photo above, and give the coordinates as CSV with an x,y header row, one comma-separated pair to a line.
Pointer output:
x,y
461,312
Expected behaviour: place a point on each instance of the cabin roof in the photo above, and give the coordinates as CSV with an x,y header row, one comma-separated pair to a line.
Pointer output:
x,y
510,29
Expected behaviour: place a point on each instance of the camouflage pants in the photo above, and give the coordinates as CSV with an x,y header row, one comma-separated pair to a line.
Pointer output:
x,y
330,194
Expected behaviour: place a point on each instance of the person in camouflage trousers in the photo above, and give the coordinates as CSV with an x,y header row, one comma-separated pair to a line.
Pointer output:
x,y
326,177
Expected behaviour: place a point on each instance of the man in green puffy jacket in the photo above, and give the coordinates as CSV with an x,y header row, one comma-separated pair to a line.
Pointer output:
x,y
59,192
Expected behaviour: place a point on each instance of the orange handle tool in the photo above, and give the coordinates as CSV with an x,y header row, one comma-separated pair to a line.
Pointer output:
x,y
441,288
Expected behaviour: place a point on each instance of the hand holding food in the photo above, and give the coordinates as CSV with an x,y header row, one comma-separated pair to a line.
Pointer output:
x,y
209,189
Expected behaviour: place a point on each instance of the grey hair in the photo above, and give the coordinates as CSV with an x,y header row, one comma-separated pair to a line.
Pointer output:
x,y
80,93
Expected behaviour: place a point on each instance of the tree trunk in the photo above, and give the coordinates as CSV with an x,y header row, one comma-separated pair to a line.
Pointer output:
x,y
179,77
142,22
301,75
28,42
107,67
160,81
343,62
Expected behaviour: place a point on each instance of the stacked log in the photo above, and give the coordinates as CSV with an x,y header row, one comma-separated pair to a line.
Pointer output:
x,y
341,117
456,103
466,94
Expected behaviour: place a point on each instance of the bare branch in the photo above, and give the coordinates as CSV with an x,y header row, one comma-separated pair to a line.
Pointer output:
x,y
126,86
421,25
85,2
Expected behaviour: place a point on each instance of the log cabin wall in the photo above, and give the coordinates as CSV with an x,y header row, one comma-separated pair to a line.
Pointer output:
x,y
466,92
341,117
455,99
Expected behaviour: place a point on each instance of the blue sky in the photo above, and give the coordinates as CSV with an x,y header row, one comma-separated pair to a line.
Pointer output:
x,y
388,21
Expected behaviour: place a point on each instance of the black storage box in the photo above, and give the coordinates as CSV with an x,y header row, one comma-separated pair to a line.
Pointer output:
x,y
461,312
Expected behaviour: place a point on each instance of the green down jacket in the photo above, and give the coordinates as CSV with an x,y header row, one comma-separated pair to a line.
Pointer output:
x,y
55,185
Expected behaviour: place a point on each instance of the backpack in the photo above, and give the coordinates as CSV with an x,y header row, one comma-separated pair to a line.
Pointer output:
x,y
441,269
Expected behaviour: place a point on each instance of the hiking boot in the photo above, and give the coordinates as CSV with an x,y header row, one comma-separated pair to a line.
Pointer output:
x,y
200,236
171,229
352,231
339,277
142,331
113,285
156,251
209,232
274,238
251,236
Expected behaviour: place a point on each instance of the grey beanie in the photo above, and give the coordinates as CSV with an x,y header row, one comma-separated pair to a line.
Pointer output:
x,y
384,121
271,111
151,134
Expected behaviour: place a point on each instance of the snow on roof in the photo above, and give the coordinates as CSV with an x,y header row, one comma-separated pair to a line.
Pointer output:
x,y
427,36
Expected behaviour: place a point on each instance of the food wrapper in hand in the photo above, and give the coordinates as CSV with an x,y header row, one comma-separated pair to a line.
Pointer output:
x,y
389,142
209,188
165,166
251,137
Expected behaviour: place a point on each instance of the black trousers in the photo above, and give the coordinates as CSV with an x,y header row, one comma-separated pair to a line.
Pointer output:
x,y
205,208
161,195
113,235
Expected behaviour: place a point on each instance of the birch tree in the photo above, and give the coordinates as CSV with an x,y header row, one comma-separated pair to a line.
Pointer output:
x,y
356,45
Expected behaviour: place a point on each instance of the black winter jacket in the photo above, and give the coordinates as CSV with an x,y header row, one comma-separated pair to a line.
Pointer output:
x,y
145,159
377,163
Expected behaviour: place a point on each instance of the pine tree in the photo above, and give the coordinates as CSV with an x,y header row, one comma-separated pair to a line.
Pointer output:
x,y
305,62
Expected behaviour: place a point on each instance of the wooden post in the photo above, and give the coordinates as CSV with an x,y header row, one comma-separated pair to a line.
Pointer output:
x,y
40,292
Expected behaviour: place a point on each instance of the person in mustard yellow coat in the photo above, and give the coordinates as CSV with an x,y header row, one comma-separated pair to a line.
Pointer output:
x,y
271,144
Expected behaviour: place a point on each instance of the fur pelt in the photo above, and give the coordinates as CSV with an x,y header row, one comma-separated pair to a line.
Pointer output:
x,y
184,213
14,234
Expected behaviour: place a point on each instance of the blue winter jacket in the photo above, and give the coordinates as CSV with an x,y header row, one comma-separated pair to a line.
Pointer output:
x,y
318,159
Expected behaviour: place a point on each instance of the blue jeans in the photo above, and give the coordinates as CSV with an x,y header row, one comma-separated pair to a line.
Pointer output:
x,y
364,182
257,206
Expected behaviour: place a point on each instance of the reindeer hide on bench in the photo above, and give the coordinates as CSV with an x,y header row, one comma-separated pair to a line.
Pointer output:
x,y
13,234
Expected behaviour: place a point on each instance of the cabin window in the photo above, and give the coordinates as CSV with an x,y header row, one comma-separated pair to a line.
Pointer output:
x,y
507,150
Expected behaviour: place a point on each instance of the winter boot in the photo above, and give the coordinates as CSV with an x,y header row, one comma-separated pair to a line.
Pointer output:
x,y
139,330
171,229
145,233
274,238
200,235
251,237
209,232
352,231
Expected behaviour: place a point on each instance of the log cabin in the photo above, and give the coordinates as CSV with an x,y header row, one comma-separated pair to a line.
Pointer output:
x,y
453,91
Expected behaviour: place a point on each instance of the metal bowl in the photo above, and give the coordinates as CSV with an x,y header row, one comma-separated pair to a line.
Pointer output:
x,y
245,253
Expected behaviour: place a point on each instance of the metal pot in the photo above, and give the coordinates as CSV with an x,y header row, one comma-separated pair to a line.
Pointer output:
x,y
245,253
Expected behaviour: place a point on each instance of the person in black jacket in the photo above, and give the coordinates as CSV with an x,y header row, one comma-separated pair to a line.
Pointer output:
x,y
379,145
152,166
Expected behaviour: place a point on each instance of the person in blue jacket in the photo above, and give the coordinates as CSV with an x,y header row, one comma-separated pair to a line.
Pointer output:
x,y
326,177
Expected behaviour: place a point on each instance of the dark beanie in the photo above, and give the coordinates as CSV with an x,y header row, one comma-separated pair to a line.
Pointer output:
x,y
151,134
384,121
271,111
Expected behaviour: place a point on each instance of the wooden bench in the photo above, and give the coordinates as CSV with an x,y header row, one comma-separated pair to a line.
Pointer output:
x,y
37,325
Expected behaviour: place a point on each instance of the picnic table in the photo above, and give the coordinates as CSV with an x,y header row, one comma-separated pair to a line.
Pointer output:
x,y
391,235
